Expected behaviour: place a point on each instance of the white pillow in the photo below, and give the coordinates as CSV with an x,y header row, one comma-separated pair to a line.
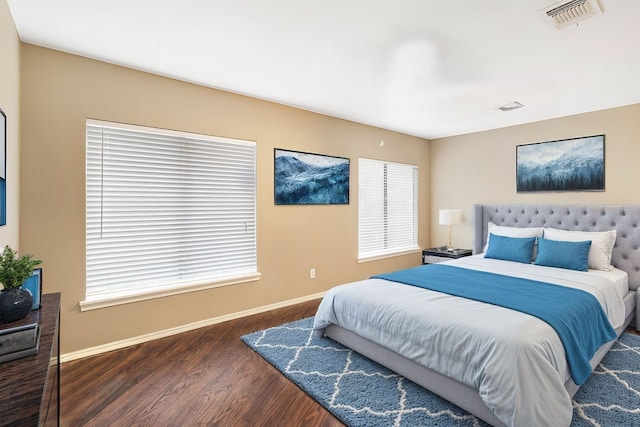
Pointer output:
x,y
601,244
502,230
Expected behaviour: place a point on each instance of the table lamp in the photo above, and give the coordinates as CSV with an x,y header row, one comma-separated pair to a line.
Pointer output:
x,y
450,217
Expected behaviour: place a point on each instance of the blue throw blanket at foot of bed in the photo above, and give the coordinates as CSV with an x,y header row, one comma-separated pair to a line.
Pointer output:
x,y
576,315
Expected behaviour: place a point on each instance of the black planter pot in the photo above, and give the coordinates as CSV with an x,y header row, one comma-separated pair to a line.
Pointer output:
x,y
15,304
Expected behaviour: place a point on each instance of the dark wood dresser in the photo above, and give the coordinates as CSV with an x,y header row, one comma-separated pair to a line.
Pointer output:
x,y
30,386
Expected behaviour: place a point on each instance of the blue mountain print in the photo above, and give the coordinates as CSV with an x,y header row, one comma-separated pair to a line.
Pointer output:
x,y
576,164
303,179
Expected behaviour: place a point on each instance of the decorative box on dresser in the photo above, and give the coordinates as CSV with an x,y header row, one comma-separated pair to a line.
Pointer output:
x,y
435,255
30,386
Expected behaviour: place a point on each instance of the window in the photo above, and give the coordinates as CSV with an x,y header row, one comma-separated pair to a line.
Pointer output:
x,y
166,211
387,208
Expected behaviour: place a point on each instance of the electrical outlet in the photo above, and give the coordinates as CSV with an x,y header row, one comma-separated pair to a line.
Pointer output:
x,y
312,273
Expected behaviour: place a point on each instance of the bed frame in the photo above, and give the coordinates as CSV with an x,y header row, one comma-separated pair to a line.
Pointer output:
x,y
626,256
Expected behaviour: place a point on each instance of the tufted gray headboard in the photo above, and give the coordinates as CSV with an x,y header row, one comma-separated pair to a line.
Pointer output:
x,y
625,219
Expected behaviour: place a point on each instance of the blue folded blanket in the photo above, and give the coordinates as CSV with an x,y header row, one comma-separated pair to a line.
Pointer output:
x,y
576,315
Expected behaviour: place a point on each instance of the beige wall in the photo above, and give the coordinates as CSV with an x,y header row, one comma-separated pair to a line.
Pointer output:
x,y
480,167
60,91
10,104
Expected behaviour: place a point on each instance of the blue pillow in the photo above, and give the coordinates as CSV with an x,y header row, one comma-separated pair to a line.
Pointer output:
x,y
518,249
569,255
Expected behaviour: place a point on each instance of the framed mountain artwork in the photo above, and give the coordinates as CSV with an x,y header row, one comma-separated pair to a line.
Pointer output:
x,y
575,164
3,168
310,179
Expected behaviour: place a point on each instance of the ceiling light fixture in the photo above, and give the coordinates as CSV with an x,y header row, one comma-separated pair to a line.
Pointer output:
x,y
511,106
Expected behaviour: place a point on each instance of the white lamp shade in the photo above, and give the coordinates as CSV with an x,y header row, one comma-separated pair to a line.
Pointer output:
x,y
450,216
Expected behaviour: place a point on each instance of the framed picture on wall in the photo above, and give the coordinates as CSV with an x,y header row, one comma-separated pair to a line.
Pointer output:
x,y
575,164
310,179
3,168
34,285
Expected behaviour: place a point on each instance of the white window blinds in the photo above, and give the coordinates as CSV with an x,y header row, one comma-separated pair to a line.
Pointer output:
x,y
387,208
166,209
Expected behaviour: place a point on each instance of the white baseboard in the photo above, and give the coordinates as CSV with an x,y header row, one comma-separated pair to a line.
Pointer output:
x,y
116,345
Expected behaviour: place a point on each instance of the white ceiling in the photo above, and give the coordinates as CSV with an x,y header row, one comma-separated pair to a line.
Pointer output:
x,y
429,68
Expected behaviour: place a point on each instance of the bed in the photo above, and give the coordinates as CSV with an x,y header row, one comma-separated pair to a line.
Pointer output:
x,y
461,355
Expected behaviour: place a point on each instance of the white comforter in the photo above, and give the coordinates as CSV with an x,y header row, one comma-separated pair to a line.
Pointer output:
x,y
516,361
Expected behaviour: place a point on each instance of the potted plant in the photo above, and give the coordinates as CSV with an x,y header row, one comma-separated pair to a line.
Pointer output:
x,y
15,302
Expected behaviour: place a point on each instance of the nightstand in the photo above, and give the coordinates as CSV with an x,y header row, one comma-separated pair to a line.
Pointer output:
x,y
435,255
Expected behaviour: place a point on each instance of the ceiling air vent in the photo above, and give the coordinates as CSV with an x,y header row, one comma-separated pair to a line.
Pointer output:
x,y
565,13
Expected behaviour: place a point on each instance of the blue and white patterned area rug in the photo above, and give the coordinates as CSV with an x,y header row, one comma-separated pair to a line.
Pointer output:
x,y
362,393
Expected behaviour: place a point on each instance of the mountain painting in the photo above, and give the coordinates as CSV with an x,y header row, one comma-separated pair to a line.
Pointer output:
x,y
3,168
568,165
310,179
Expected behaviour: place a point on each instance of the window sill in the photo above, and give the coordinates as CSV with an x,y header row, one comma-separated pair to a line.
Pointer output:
x,y
389,255
127,298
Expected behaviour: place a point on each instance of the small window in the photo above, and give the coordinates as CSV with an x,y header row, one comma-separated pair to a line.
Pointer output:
x,y
387,208
166,210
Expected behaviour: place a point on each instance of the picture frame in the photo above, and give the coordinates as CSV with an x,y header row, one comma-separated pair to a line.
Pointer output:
x,y
574,164
3,168
302,178
34,285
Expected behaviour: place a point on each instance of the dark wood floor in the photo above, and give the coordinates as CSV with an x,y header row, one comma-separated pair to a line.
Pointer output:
x,y
206,377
